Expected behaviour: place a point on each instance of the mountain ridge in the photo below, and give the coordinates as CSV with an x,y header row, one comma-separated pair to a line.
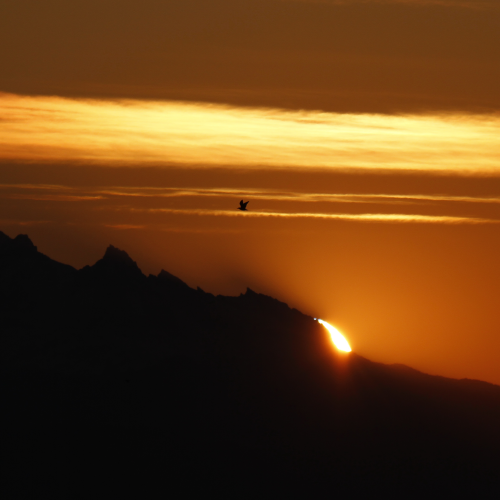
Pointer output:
x,y
244,376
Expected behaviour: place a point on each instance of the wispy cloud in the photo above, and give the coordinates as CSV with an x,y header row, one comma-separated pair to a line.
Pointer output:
x,y
196,134
436,219
172,229
263,194
17,222
70,193
190,200
51,197
125,226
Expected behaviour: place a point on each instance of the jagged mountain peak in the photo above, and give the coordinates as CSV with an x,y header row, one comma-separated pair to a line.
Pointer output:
x,y
23,240
115,255
20,243
116,260
23,263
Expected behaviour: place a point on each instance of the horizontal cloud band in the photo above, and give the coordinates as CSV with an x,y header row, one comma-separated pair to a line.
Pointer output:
x,y
350,217
196,134
68,193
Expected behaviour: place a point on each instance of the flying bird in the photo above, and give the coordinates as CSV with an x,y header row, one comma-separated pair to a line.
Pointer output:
x,y
243,206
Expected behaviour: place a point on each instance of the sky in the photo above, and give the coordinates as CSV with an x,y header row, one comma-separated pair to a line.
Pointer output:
x,y
365,134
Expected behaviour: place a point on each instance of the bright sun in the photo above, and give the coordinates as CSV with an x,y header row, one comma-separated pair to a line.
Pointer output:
x,y
337,338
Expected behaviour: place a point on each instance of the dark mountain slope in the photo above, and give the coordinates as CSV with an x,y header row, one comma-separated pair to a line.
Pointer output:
x,y
106,365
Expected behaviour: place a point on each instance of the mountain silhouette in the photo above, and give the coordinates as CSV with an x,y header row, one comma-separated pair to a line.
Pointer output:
x,y
116,261
107,365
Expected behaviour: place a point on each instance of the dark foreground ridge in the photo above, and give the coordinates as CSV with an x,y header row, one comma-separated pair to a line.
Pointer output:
x,y
105,369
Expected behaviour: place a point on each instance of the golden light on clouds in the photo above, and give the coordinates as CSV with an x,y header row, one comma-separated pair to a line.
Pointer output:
x,y
211,202
367,217
169,132
135,202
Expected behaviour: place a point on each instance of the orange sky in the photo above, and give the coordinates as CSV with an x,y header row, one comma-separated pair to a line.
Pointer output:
x,y
364,133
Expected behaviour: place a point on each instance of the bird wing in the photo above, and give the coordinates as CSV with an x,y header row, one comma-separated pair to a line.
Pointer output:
x,y
242,204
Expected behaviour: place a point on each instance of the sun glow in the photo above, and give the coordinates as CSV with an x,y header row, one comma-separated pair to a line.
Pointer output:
x,y
337,338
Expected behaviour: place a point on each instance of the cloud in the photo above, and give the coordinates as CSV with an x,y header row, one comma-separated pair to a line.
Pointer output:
x,y
297,196
408,218
59,192
182,201
167,133
51,197
173,229
15,222
124,226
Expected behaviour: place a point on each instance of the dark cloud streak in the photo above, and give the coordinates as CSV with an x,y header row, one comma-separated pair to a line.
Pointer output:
x,y
384,57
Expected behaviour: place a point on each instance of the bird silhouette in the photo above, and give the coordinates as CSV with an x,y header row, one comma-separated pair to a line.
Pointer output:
x,y
243,206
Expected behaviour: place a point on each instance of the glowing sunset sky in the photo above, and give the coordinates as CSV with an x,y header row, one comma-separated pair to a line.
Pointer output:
x,y
366,135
